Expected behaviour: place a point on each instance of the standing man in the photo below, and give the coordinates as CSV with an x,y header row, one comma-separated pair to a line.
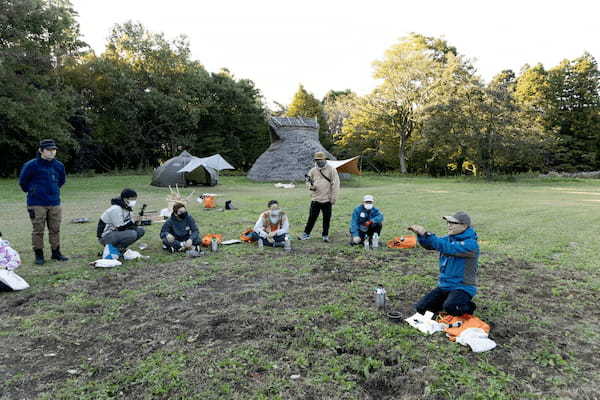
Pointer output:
x,y
366,223
459,252
42,179
324,183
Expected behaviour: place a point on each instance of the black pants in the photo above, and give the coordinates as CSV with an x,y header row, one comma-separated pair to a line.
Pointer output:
x,y
315,209
373,229
454,302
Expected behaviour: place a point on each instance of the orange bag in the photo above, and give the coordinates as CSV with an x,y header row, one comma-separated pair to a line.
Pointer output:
x,y
206,239
245,236
209,202
466,320
402,242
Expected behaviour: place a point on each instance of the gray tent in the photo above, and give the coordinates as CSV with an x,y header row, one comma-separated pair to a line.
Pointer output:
x,y
187,170
294,141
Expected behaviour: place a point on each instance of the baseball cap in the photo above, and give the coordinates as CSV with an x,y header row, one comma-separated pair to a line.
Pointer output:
x,y
368,197
459,217
47,144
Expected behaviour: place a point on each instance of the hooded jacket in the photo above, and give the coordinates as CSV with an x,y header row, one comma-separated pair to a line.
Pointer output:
x,y
116,218
42,180
458,259
182,229
360,215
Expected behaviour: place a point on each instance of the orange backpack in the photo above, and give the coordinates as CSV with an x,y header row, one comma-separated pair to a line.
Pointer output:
x,y
402,242
465,321
206,239
245,236
209,202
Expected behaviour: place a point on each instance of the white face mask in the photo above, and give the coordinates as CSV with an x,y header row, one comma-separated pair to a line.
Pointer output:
x,y
368,206
274,219
131,203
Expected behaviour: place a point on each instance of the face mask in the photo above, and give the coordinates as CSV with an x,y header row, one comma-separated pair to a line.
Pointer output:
x,y
181,214
368,206
131,203
455,229
274,218
321,163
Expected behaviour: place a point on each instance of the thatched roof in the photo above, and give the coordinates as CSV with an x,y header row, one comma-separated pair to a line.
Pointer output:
x,y
294,141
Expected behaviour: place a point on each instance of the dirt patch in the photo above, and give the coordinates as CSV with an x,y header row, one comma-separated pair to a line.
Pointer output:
x,y
187,306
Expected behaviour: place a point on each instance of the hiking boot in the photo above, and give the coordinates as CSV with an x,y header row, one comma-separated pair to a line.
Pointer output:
x,y
39,256
304,236
326,238
375,241
56,255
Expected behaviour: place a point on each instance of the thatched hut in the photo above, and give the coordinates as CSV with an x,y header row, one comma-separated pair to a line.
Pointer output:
x,y
294,141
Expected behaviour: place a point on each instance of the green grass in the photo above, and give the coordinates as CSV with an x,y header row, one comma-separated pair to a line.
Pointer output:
x,y
238,324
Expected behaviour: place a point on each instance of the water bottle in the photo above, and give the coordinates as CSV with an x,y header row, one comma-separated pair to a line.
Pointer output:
x,y
260,244
287,246
214,245
366,243
380,299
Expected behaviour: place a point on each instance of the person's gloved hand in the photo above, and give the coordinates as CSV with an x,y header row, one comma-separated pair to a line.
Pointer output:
x,y
356,239
188,244
418,229
170,238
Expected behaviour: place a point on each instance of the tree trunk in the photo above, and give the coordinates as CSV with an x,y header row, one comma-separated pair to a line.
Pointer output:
x,y
402,154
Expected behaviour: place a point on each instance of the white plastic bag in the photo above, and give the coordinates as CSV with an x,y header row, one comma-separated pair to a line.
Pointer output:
x,y
131,255
105,263
477,339
12,280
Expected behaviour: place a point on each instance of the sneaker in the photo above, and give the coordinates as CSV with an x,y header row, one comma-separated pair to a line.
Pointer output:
x,y
375,241
304,236
326,239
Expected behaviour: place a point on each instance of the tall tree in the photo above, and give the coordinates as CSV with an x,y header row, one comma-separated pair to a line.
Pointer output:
x,y
35,37
305,104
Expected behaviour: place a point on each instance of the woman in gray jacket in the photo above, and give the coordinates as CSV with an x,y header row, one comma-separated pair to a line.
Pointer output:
x,y
116,226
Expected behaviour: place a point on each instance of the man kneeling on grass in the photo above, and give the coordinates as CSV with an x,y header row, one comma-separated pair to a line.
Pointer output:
x,y
272,226
116,227
459,252
180,232
366,223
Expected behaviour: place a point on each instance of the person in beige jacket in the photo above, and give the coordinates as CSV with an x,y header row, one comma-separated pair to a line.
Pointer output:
x,y
324,184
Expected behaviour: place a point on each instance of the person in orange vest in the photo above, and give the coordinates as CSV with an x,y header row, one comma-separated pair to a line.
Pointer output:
x,y
271,227
459,254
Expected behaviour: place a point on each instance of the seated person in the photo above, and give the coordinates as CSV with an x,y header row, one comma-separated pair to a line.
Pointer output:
x,y
272,226
459,252
116,226
180,232
366,223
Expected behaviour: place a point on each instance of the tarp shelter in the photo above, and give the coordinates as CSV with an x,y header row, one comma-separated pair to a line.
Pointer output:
x,y
349,166
187,170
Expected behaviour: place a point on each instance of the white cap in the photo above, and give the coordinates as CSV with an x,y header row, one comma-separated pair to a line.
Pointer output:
x,y
368,198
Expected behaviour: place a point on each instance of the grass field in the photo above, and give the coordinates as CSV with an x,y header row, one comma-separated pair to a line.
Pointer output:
x,y
242,324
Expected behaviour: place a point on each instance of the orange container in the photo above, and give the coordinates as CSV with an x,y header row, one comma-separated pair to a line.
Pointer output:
x,y
209,202
206,239
402,242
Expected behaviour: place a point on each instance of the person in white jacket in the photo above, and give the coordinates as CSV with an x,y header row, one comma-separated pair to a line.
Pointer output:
x,y
272,226
117,226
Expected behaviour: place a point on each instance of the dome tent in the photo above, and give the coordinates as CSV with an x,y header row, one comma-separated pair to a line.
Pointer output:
x,y
294,141
186,170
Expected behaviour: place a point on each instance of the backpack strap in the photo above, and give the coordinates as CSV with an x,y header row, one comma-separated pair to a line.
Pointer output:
x,y
323,175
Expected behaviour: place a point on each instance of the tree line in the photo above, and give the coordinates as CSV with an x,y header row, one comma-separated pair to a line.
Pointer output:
x,y
144,99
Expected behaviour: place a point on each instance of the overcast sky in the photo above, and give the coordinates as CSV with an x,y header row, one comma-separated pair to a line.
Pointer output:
x,y
331,44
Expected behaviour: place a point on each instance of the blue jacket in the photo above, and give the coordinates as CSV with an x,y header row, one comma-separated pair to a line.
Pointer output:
x,y
458,259
42,180
360,215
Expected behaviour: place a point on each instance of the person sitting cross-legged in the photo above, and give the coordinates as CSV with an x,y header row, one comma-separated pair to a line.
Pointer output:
x,y
272,226
116,227
366,223
180,232
459,252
